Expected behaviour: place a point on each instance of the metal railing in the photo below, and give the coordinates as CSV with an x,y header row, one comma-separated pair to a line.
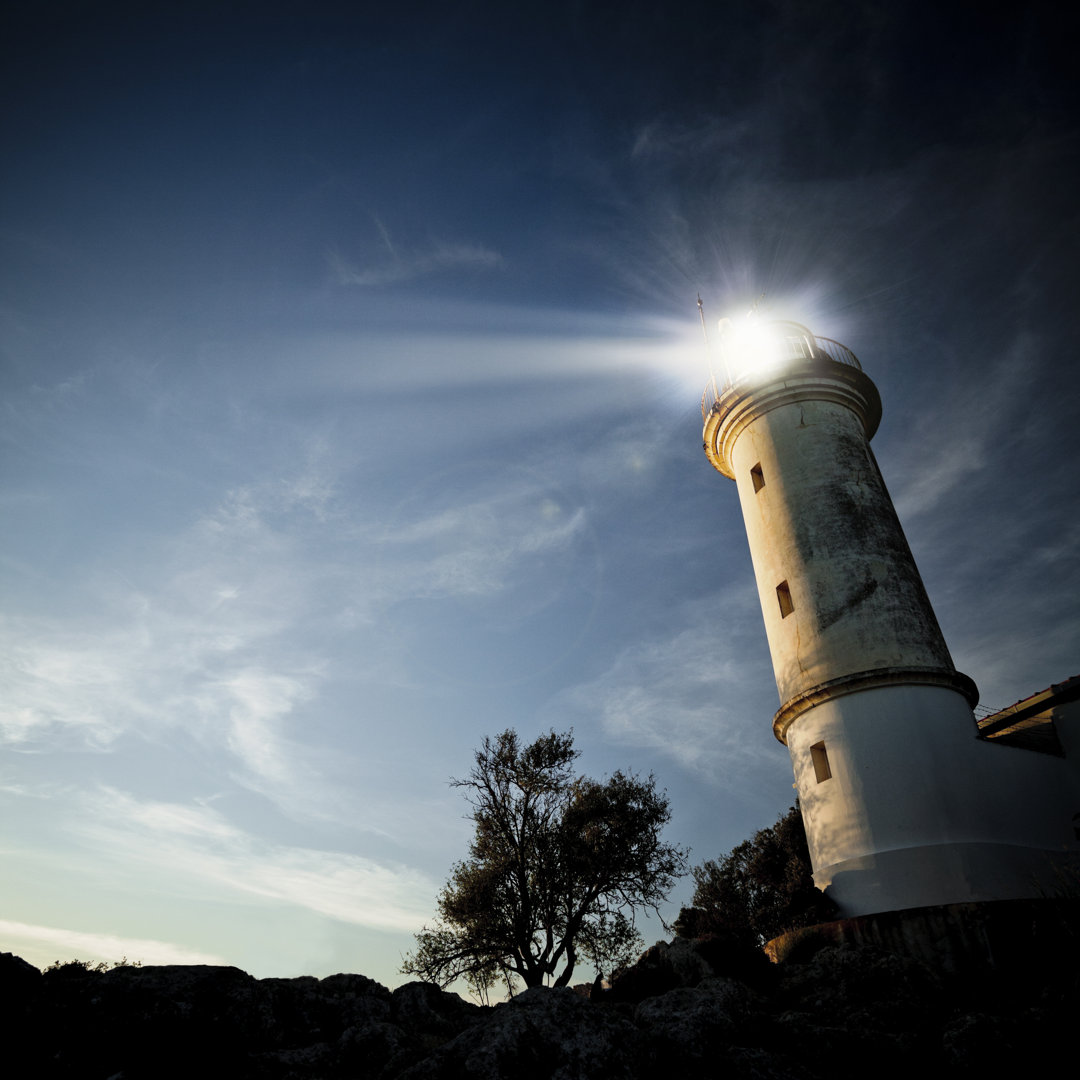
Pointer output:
x,y
840,353
794,345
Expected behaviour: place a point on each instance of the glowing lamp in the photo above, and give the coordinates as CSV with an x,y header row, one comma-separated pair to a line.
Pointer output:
x,y
751,347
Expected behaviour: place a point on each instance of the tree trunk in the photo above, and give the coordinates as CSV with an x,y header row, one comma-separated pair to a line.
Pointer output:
x,y
571,960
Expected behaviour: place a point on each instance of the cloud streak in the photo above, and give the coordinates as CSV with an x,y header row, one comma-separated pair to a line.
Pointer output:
x,y
45,944
398,265
199,648
680,695
219,640
968,443
475,548
198,846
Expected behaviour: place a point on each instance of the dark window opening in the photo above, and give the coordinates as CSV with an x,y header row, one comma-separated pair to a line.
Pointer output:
x,y
821,762
758,478
783,594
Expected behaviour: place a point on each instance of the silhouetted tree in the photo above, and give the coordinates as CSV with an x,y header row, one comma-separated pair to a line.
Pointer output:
x,y
760,889
557,868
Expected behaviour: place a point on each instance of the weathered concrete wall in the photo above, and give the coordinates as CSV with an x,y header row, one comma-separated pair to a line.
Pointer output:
x,y
823,523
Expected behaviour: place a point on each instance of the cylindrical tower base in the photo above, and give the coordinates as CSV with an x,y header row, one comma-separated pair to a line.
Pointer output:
x,y
905,807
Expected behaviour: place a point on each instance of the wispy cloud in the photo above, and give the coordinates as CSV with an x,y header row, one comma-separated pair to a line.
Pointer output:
x,y
198,644
92,680
967,443
475,546
196,844
669,138
62,683
683,695
262,701
396,265
209,642
43,945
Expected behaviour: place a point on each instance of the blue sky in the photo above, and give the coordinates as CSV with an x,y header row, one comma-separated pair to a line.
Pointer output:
x,y
350,383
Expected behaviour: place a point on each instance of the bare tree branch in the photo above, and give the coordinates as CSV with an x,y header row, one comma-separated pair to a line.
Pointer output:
x,y
557,868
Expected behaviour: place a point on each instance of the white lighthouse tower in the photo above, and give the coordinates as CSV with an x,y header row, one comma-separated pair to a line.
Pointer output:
x,y
904,805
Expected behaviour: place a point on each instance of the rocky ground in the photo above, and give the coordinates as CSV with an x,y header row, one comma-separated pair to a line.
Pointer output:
x,y
688,1009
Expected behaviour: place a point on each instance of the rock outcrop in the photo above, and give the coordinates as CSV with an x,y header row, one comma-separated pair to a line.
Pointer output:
x,y
681,1011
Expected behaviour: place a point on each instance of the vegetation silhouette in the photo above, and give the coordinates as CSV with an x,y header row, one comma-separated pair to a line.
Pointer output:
x,y
759,890
557,869
76,967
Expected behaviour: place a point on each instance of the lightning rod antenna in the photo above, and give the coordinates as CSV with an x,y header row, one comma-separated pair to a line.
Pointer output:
x,y
708,350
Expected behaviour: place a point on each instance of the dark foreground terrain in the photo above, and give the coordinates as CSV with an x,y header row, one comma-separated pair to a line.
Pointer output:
x,y
687,1010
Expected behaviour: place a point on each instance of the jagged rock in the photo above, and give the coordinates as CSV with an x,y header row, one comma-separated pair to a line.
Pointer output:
x,y
689,1029
979,1044
542,1034
687,1021
1029,1042
353,988
20,991
857,1006
663,967
844,1046
296,1063
152,1021
846,1013
379,1049
306,1009
425,1009
19,981
879,990
755,1063
15,971
683,962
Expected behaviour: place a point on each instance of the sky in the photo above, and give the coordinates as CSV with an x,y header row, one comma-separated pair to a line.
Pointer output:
x,y
350,370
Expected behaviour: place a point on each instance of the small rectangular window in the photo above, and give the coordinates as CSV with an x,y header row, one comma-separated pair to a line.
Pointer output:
x,y
783,595
821,762
757,476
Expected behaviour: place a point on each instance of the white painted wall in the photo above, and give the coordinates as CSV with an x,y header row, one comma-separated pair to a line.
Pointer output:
x,y
918,811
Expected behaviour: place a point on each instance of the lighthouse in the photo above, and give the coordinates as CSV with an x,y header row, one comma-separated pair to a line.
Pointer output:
x,y
905,805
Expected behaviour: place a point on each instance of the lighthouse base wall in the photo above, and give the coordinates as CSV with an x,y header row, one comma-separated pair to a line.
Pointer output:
x,y
947,874
905,806
1035,939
